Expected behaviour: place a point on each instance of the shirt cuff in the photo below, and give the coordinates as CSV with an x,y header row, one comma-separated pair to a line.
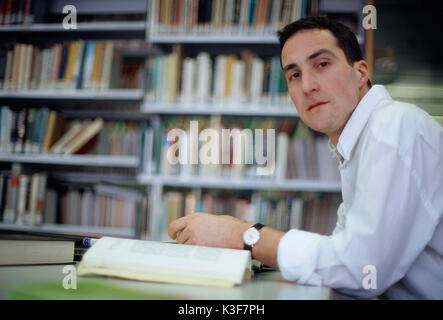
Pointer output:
x,y
297,256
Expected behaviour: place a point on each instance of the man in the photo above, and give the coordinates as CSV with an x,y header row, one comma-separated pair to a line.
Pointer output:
x,y
389,226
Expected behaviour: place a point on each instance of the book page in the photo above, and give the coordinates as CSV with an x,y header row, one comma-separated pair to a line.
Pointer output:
x,y
168,262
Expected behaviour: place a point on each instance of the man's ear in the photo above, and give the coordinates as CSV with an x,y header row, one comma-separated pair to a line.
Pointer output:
x,y
362,69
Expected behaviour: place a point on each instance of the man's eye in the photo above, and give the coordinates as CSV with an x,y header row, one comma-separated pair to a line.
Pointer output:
x,y
295,75
323,64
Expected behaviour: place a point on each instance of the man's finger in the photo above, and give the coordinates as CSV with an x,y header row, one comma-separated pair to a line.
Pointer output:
x,y
183,236
176,226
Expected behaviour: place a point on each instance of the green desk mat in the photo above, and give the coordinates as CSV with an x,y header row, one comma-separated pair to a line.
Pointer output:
x,y
87,289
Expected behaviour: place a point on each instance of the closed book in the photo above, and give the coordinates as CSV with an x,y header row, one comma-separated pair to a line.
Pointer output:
x,y
54,130
105,76
55,64
29,252
21,204
29,130
40,201
26,81
14,131
9,66
21,130
97,65
43,117
67,77
10,212
64,55
75,81
3,60
15,66
5,129
88,65
74,130
84,136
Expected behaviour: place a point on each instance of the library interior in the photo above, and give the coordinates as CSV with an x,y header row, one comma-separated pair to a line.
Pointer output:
x,y
120,117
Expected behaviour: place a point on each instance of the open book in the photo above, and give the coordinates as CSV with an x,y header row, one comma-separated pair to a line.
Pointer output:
x,y
166,262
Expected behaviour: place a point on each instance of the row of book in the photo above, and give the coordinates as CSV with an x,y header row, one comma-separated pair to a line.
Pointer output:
x,y
22,197
101,206
290,150
221,79
310,212
43,131
223,16
25,199
32,130
17,11
70,65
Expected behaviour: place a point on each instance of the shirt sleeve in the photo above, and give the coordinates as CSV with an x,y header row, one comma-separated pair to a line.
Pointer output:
x,y
388,224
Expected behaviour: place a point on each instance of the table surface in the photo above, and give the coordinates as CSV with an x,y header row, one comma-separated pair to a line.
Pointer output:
x,y
267,285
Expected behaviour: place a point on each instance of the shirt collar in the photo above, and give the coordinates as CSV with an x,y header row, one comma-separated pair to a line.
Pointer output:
x,y
359,118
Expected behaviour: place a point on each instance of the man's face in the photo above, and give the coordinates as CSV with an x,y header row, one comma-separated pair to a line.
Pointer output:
x,y
323,86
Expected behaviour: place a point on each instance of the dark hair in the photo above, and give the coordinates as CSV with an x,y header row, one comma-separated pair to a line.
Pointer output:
x,y
346,39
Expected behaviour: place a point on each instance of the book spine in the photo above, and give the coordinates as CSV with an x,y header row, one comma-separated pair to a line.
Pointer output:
x,y
3,61
21,201
10,213
40,199
88,65
44,115
5,130
21,123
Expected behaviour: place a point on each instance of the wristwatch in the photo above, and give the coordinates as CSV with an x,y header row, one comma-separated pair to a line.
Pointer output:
x,y
251,236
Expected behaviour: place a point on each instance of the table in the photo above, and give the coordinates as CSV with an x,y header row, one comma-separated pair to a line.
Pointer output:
x,y
267,285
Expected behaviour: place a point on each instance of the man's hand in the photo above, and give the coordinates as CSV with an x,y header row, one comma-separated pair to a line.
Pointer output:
x,y
211,230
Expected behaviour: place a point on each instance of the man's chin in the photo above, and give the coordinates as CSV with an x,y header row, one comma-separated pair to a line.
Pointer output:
x,y
317,127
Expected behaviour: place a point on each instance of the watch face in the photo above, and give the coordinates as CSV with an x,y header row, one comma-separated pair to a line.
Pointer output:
x,y
251,236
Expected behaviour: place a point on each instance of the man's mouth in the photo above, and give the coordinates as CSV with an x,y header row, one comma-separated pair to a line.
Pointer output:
x,y
316,104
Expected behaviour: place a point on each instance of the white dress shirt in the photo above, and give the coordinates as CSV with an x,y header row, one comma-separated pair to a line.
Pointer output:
x,y
391,216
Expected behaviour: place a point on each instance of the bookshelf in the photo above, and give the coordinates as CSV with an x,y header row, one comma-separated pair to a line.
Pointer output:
x,y
87,178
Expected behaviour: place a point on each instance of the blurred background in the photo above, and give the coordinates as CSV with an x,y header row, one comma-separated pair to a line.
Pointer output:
x,y
85,111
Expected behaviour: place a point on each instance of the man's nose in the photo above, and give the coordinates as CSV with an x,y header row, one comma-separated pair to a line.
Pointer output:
x,y
309,82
